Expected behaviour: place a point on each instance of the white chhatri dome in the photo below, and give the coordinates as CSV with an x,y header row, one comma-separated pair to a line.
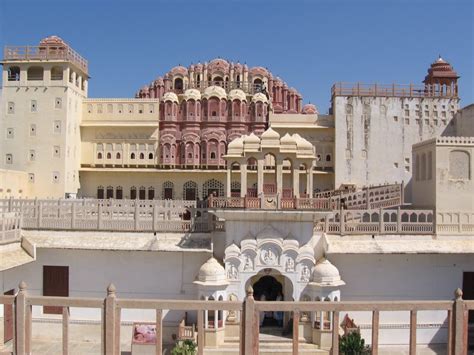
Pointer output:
x,y
259,97
252,138
326,274
170,96
192,94
270,133
212,273
214,91
237,94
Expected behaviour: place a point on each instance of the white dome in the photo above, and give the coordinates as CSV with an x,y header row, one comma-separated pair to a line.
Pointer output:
x,y
214,91
270,134
301,142
170,96
287,140
212,273
237,94
252,138
326,274
237,143
259,97
192,94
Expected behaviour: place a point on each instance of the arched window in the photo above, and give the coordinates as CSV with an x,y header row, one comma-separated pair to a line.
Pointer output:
x,y
100,192
118,156
142,156
133,193
235,188
423,166
150,155
190,191
213,187
35,73
110,192
168,188
14,74
56,73
99,155
109,156
151,193
142,193
132,156
178,84
119,193
459,165
328,157
257,85
213,155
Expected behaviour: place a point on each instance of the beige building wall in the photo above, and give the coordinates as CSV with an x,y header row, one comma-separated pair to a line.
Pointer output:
x,y
443,174
40,132
14,183
374,136
465,121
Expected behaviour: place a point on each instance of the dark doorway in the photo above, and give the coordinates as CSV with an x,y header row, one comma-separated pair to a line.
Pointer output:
x,y
468,294
55,283
8,319
269,289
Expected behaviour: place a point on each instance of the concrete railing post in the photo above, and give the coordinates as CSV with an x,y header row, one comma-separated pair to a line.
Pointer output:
x,y
460,324
73,215
251,327
136,216
20,319
381,222
399,220
109,331
99,215
40,215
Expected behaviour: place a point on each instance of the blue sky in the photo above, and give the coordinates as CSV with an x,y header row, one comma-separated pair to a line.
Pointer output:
x,y
309,44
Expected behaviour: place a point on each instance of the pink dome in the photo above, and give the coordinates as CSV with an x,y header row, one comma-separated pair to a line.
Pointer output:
x,y
179,70
218,64
158,81
259,71
52,40
310,109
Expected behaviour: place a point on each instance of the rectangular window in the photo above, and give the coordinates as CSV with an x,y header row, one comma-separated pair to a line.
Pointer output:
x,y
32,130
57,127
32,155
55,176
427,113
435,113
110,108
11,107
34,106
58,103
407,112
56,151
99,108
10,133
9,158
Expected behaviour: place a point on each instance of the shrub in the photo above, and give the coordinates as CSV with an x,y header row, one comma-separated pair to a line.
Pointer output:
x,y
184,347
353,344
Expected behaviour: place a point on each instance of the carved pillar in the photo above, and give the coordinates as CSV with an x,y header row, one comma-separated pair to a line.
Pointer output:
x,y
260,164
243,180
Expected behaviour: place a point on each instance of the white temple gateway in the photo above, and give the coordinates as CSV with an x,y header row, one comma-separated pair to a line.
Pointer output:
x,y
226,212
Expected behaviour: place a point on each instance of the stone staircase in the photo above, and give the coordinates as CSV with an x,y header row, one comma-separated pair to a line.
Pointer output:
x,y
271,341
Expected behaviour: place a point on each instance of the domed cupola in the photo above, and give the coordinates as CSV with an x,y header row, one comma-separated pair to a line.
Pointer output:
x,y
212,273
214,91
325,274
192,94
53,41
441,79
259,97
237,94
310,109
270,138
170,96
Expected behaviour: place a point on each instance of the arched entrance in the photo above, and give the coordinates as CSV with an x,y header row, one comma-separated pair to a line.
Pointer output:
x,y
271,285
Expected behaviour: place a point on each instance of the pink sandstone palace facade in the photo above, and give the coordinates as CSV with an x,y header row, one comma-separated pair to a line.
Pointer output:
x,y
206,106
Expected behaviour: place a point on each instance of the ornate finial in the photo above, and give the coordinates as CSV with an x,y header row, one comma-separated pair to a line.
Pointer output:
x,y
458,294
111,289
22,286
250,291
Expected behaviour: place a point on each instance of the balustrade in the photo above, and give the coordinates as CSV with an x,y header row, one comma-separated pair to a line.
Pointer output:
x,y
249,310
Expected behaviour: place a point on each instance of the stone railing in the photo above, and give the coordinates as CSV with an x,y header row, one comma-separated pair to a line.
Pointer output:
x,y
249,311
271,202
113,215
10,227
381,221
455,223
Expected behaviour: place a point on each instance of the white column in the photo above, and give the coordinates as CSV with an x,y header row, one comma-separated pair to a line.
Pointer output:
x,y
309,181
229,173
206,316
296,182
260,164
279,177
243,180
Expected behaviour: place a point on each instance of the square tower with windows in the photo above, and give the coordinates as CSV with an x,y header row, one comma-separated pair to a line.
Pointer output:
x,y
42,92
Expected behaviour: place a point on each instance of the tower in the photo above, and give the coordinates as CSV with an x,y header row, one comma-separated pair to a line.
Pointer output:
x,y
441,79
43,88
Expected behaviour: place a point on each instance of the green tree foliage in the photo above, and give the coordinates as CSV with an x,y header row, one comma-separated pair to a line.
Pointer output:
x,y
184,347
353,344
